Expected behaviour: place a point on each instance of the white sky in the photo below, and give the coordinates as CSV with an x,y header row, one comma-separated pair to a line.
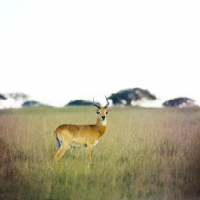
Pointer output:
x,y
57,51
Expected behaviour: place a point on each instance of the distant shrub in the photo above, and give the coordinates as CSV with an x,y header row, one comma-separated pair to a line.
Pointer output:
x,y
80,103
180,102
32,103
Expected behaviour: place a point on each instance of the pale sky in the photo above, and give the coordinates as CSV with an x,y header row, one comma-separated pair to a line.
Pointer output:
x,y
57,51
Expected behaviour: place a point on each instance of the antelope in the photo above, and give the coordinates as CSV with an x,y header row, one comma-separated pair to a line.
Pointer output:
x,y
70,135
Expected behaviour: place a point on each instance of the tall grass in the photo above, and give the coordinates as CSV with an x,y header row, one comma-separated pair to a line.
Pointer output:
x,y
144,154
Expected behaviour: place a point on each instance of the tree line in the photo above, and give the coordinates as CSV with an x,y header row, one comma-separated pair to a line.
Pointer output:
x,y
126,97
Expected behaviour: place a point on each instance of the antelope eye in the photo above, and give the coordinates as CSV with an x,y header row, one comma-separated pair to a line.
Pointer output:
x,y
98,112
106,112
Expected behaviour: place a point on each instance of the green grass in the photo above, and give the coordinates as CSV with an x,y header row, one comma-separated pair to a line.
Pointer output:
x,y
144,154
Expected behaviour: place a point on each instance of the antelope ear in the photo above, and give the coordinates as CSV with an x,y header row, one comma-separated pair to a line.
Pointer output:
x,y
94,108
109,110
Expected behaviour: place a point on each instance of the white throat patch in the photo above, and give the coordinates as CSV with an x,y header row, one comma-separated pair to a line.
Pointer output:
x,y
103,122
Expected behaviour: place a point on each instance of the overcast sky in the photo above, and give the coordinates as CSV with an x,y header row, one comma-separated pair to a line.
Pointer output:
x,y
56,51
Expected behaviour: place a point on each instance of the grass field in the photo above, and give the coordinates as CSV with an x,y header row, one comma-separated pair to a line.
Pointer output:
x,y
144,154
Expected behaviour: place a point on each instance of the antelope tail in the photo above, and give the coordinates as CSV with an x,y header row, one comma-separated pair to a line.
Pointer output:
x,y
58,141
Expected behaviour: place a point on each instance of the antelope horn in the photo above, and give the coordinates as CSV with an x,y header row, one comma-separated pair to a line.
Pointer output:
x,y
106,104
96,104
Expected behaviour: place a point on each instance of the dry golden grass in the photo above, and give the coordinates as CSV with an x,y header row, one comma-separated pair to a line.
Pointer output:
x,y
144,154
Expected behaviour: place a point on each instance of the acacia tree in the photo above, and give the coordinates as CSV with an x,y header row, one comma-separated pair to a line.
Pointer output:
x,y
15,97
2,98
180,102
129,95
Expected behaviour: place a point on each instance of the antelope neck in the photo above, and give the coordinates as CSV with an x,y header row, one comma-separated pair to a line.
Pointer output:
x,y
101,126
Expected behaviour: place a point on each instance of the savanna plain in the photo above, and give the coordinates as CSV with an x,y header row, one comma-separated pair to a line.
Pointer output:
x,y
146,153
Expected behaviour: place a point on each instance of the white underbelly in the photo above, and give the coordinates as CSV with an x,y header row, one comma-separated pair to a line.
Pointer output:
x,y
95,143
76,145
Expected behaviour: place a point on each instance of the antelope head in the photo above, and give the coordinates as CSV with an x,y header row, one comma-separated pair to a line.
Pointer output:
x,y
101,111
